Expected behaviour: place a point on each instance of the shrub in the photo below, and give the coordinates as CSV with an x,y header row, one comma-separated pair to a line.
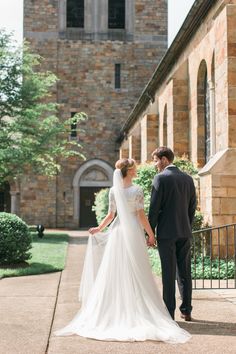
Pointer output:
x,y
208,268
198,221
101,204
200,240
185,165
145,175
15,239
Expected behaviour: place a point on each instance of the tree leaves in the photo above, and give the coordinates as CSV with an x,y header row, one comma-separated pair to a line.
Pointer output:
x,y
32,136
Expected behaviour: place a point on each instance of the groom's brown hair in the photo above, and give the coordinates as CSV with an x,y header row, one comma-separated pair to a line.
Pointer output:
x,y
164,151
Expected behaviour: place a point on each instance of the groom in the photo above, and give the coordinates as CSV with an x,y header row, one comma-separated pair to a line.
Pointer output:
x,y
172,208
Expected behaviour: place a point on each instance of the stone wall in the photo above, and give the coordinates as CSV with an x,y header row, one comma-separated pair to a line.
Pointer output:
x,y
84,61
179,101
38,200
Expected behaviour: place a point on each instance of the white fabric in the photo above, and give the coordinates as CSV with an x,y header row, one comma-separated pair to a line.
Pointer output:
x,y
171,165
120,299
134,197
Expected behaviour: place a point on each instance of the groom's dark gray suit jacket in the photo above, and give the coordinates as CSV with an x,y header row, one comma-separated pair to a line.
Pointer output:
x,y
173,203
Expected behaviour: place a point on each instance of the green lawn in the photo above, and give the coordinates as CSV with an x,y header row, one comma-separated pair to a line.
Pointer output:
x,y
48,255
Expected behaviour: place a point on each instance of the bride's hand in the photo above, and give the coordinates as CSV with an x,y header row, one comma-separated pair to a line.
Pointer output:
x,y
151,241
94,230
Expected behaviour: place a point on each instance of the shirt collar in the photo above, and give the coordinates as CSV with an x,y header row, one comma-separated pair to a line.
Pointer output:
x,y
171,165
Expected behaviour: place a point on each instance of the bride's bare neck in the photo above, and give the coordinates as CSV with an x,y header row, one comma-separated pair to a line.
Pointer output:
x,y
127,181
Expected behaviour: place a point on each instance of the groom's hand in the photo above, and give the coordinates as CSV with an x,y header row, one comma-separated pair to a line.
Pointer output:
x,y
151,242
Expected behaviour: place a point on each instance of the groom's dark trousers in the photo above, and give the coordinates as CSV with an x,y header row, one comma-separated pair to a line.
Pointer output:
x,y
172,208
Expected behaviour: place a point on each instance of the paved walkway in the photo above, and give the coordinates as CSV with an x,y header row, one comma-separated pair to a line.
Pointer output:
x,y
32,307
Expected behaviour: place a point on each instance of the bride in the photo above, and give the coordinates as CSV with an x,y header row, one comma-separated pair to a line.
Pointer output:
x,y
120,299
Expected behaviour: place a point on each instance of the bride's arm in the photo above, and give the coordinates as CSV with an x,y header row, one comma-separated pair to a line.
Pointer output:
x,y
109,217
106,221
145,223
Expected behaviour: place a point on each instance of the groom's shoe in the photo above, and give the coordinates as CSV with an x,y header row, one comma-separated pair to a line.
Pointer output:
x,y
186,317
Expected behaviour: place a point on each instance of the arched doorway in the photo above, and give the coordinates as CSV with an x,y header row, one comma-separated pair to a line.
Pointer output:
x,y
203,115
91,177
5,198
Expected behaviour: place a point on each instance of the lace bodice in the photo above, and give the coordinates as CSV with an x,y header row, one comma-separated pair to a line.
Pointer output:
x,y
134,196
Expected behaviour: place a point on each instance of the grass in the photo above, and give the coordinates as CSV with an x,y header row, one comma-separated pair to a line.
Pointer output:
x,y
48,255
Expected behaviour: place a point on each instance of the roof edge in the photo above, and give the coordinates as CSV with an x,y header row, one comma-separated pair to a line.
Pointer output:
x,y
197,13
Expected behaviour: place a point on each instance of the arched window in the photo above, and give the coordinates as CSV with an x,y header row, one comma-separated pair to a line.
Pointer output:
x,y
207,120
165,126
203,116
75,13
116,14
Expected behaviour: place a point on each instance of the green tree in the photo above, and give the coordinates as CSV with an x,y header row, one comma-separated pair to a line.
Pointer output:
x,y
32,137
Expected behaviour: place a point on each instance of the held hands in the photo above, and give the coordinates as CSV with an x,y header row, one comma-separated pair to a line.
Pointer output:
x,y
94,230
151,241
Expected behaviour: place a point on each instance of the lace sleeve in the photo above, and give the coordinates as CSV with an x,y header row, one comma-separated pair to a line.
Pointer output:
x,y
139,199
112,202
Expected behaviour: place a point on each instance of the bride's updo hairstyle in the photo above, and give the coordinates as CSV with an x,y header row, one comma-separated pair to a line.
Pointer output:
x,y
124,165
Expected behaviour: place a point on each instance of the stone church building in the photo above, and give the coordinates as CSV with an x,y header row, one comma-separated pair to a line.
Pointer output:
x,y
112,60
103,53
189,104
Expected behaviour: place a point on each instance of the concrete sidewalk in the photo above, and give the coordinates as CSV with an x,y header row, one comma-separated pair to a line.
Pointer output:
x,y
33,307
26,311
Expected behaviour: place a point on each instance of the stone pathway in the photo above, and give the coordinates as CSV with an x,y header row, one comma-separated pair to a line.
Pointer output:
x,y
32,307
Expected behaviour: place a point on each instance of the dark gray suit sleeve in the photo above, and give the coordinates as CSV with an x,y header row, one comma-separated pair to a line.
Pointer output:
x,y
192,203
155,203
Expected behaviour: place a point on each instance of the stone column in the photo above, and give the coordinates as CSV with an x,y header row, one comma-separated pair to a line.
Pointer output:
x,y
180,131
135,147
124,150
149,136
15,202
102,16
129,16
76,204
90,18
212,117
62,15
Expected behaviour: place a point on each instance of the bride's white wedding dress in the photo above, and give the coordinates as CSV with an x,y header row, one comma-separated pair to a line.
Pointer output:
x,y
120,299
